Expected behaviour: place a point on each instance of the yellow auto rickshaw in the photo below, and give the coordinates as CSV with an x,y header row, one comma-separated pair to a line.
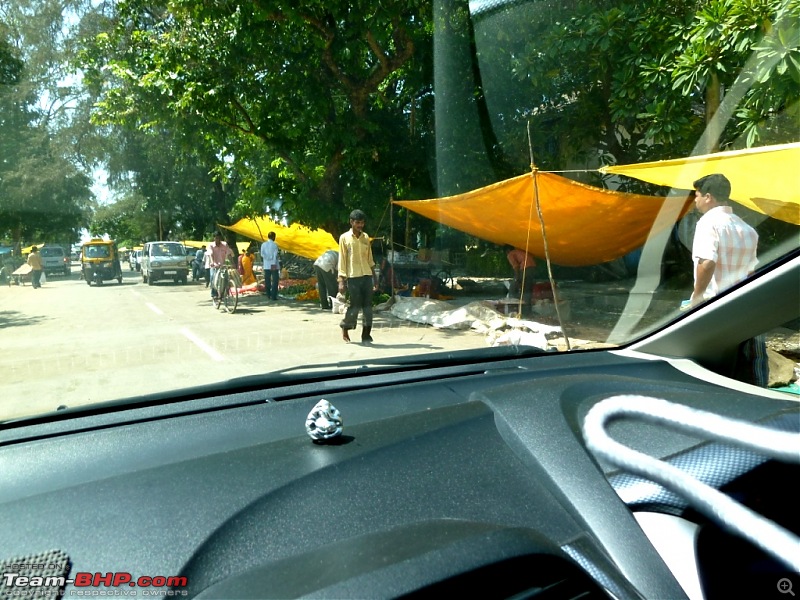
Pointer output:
x,y
100,261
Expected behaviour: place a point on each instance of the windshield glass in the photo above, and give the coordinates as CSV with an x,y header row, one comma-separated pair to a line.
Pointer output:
x,y
97,251
167,250
396,183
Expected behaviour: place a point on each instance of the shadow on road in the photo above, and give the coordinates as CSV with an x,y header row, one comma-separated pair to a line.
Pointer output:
x,y
13,318
380,346
112,284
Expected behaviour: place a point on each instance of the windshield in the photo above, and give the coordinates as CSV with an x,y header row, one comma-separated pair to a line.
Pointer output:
x,y
97,251
368,186
166,250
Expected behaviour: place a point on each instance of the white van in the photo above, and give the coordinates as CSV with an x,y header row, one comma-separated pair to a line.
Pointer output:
x,y
55,260
163,260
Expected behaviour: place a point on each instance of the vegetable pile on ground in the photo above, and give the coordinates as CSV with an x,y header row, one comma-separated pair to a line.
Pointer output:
x,y
299,289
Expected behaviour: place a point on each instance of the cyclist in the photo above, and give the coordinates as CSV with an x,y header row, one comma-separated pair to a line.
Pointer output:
x,y
218,251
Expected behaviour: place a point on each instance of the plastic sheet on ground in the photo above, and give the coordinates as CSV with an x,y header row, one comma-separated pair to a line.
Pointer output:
x,y
479,316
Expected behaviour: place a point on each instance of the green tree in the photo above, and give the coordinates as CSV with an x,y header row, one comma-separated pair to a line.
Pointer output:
x,y
44,194
722,36
645,79
167,191
10,64
123,220
310,106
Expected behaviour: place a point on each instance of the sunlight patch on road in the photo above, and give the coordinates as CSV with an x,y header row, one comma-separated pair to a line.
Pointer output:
x,y
154,308
202,345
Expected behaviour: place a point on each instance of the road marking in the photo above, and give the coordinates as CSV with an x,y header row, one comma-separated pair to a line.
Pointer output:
x,y
202,345
154,308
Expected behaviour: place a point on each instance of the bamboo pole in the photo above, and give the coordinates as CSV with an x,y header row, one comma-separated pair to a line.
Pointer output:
x,y
534,172
390,250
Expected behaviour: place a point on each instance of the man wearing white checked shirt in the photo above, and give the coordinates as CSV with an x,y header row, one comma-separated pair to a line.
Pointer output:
x,y
724,253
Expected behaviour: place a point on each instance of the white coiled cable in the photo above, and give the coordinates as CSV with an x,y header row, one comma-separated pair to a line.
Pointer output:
x,y
783,446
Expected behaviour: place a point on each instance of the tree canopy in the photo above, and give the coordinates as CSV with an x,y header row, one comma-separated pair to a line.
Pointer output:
x,y
44,195
644,78
10,64
307,106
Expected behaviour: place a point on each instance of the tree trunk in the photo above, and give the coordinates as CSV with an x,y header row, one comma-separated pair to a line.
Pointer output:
x,y
713,100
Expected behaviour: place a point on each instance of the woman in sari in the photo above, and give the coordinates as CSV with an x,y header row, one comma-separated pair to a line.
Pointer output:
x,y
248,278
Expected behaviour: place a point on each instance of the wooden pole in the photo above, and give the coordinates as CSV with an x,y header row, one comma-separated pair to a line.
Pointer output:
x,y
390,250
407,237
534,171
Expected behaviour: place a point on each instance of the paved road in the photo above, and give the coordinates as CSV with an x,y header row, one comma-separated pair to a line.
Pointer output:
x,y
71,344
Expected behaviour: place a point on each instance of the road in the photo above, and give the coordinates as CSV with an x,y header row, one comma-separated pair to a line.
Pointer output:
x,y
71,344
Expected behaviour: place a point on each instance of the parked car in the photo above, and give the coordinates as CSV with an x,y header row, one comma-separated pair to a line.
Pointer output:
x,y
164,260
190,252
55,260
136,260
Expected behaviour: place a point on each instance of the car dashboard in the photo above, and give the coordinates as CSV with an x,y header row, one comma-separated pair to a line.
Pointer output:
x,y
444,480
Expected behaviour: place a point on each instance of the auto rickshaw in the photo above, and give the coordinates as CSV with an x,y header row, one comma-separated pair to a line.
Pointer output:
x,y
100,261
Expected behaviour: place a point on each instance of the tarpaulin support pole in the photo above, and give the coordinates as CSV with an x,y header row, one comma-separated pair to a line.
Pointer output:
x,y
390,252
534,171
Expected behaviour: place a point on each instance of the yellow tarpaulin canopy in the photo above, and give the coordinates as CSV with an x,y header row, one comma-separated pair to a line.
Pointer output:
x,y
27,249
765,179
585,225
297,239
240,246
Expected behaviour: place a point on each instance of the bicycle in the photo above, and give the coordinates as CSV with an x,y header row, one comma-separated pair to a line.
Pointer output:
x,y
227,283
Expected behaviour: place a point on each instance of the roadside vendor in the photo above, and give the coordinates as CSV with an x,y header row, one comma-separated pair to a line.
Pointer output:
x,y
248,277
35,263
5,274
524,280
356,274
327,272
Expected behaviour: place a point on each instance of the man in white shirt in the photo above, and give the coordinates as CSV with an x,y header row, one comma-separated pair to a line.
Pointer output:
x,y
724,247
724,253
326,270
272,267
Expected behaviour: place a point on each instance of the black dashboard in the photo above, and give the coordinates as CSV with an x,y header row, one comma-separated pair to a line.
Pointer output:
x,y
444,480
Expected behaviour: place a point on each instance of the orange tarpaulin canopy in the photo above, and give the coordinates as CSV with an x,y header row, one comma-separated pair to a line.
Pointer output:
x,y
584,225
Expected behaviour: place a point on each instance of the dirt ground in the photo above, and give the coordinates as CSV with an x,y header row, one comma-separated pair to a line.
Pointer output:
x,y
595,308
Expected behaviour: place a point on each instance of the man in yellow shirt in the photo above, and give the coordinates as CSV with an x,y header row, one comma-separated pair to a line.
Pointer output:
x,y
356,273
35,262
